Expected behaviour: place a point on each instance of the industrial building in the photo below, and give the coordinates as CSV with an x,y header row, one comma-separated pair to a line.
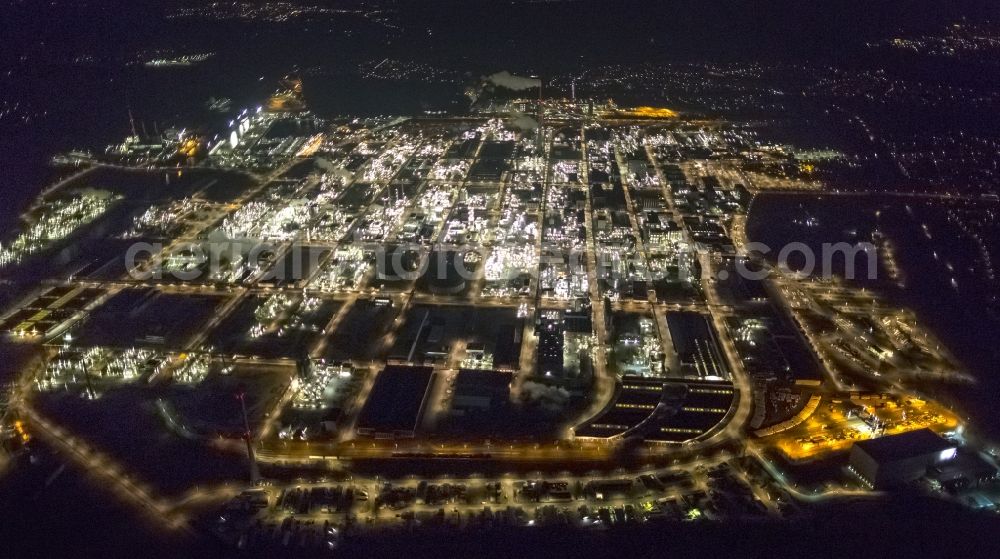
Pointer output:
x,y
396,402
661,410
479,391
969,470
899,459
696,346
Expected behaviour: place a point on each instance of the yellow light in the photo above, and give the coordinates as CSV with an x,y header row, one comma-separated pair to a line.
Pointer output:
x,y
19,428
652,112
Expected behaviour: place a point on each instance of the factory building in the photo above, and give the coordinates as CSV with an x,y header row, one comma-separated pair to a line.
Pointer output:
x,y
899,459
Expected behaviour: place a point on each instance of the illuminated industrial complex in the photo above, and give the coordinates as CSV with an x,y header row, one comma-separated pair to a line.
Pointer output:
x,y
543,302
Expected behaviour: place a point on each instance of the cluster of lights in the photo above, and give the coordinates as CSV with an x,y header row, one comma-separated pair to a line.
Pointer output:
x,y
482,361
242,222
398,70
320,388
436,199
237,267
163,219
183,60
515,226
381,220
430,150
286,223
645,358
343,272
193,369
450,169
566,171
507,262
575,346
269,311
58,219
331,226
564,284
279,305
477,222
75,366
388,163
495,129
331,186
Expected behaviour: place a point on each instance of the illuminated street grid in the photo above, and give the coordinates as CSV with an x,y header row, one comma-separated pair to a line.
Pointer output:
x,y
594,237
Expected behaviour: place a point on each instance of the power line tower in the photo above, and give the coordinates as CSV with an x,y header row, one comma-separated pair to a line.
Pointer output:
x,y
539,134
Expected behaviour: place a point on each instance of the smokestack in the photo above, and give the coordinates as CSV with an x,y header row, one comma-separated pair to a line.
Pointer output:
x,y
131,121
248,437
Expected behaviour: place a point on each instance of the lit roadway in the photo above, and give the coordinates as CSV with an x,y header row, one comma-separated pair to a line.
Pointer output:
x,y
508,485
113,476
875,194
741,380
604,383
811,497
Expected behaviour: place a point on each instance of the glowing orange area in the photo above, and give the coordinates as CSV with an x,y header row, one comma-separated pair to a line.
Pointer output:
x,y
189,147
651,112
19,429
311,146
839,423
